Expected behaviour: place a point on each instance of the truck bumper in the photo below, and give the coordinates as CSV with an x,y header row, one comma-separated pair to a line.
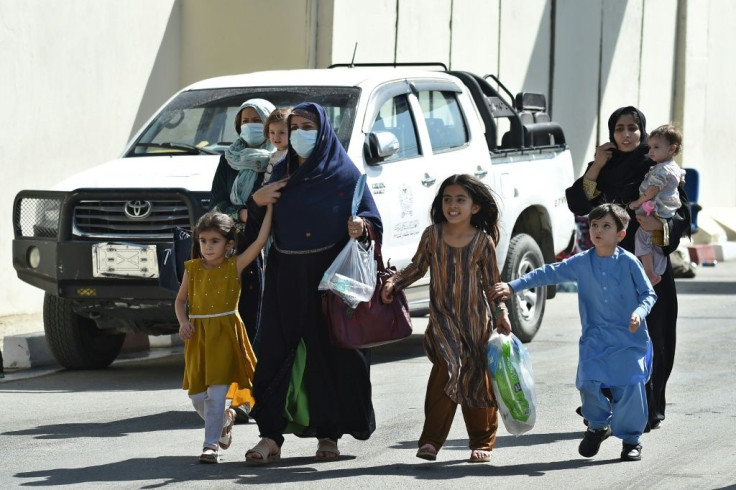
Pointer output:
x,y
65,269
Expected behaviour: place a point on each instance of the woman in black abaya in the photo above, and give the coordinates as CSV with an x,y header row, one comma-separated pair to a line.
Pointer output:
x,y
311,190
614,176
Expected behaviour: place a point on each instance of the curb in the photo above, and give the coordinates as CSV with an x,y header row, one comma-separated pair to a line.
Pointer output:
x,y
30,350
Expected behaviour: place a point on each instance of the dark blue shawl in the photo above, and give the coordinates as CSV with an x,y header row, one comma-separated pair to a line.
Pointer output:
x,y
315,203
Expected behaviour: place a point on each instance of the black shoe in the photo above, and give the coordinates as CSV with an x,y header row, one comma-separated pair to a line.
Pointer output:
x,y
631,452
592,440
242,414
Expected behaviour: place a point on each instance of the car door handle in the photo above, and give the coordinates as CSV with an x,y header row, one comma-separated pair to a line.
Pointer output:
x,y
427,180
481,172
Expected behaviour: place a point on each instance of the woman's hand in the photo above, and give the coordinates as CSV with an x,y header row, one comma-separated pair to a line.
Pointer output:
x,y
649,223
186,331
356,227
387,292
269,193
603,153
243,215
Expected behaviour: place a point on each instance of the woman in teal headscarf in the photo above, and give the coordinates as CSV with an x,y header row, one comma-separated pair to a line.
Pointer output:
x,y
239,173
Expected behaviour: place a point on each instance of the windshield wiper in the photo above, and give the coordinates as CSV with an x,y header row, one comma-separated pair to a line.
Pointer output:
x,y
188,149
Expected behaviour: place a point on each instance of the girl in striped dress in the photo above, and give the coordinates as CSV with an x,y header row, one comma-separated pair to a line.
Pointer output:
x,y
459,251
217,351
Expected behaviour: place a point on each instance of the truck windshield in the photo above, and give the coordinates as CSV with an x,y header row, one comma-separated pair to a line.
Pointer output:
x,y
203,121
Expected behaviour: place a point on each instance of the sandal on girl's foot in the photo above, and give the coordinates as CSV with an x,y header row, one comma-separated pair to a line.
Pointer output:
x,y
480,456
326,450
266,451
226,438
209,456
427,452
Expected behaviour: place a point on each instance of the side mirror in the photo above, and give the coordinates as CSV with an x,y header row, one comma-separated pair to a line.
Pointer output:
x,y
382,145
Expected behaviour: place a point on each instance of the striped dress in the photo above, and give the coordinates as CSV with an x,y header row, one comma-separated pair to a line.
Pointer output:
x,y
460,321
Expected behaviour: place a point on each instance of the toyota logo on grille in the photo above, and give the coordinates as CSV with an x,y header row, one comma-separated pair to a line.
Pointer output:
x,y
137,209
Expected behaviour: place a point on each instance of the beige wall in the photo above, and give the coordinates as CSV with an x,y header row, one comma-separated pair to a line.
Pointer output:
x,y
80,76
374,32
222,37
707,96
74,75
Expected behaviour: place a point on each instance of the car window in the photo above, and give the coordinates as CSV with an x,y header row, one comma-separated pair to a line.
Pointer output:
x,y
204,120
444,120
395,117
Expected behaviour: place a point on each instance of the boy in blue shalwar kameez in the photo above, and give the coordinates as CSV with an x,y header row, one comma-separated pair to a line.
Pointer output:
x,y
614,299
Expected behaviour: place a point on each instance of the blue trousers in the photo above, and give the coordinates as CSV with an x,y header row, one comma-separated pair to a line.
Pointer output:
x,y
626,413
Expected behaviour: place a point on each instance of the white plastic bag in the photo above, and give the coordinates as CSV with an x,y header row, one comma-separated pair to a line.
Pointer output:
x,y
352,275
510,368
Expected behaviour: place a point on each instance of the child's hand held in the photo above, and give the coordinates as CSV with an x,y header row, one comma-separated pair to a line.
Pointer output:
x,y
501,291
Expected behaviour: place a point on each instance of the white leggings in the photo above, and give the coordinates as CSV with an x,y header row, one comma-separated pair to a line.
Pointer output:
x,y
210,405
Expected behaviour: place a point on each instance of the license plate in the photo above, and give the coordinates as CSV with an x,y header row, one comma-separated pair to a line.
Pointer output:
x,y
124,260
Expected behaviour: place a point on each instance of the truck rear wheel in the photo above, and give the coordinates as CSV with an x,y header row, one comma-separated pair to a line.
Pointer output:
x,y
526,308
75,341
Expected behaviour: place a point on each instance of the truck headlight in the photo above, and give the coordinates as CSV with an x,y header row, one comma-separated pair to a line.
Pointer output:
x,y
38,217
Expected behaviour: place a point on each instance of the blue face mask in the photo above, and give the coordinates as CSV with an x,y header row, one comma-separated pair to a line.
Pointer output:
x,y
252,133
303,141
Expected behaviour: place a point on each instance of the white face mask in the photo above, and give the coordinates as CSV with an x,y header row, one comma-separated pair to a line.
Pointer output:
x,y
252,133
303,141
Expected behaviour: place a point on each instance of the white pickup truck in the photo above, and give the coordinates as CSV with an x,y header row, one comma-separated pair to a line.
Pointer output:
x,y
406,128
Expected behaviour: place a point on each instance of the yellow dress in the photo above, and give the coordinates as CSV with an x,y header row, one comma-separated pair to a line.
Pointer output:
x,y
219,353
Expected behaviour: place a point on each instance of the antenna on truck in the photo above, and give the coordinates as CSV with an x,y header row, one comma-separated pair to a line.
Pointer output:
x,y
355,50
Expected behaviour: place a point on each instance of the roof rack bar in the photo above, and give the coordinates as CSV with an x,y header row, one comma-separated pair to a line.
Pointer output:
x,y
395,65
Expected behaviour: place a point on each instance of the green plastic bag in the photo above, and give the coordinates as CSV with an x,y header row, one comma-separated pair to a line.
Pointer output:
x,y
510,368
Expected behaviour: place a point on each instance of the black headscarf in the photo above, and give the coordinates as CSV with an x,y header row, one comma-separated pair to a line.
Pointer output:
x,y
314,206
620,178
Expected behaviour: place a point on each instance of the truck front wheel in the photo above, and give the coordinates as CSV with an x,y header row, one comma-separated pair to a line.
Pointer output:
x,y
526,308
75,341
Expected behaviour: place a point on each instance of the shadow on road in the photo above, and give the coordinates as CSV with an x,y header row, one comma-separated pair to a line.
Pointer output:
x,y
165,421
161,373
532,439
167,470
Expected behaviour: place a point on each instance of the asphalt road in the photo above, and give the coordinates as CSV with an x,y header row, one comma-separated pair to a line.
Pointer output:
x,y
130,426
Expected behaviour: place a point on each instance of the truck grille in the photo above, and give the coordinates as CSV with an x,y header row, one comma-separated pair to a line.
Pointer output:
x,y
130,219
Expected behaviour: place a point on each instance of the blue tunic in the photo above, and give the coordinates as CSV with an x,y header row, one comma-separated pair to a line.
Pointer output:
x,y
610,289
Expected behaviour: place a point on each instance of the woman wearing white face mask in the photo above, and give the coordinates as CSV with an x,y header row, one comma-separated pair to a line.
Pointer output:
x,y
330,388
240,171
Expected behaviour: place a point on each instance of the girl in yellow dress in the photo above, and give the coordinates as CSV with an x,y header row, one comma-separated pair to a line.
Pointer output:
x,y
217,351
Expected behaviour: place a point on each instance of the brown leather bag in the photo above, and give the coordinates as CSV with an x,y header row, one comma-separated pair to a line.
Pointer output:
x,y
372,322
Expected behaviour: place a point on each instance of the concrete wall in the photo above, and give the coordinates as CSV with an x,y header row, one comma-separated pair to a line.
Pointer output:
x,y
76,75
706,95
80,76
222,37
